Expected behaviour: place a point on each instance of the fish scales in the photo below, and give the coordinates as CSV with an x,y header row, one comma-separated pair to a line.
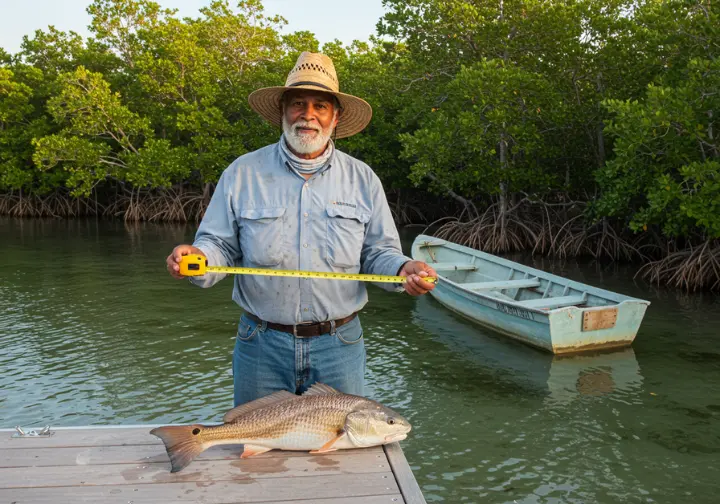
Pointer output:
x,y
311,414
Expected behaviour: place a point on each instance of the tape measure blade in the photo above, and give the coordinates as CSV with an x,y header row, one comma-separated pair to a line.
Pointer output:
x,y
362,277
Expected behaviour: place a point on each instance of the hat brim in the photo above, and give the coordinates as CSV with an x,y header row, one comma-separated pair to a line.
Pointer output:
x,y
355,117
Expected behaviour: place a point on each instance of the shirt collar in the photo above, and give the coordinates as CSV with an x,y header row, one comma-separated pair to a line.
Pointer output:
x,y
279,151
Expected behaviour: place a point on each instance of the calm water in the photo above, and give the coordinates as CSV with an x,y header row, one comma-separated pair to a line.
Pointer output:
x,y
93,331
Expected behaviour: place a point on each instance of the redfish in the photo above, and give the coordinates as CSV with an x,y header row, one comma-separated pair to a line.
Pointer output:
x,y
321,420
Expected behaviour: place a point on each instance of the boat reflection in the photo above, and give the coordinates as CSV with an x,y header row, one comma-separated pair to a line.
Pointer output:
x,y
563,379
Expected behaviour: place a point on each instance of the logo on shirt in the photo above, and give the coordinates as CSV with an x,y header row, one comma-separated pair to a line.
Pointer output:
x,y
351,205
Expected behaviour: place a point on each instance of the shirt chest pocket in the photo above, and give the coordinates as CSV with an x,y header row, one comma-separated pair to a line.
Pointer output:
x,y
261,235
345,235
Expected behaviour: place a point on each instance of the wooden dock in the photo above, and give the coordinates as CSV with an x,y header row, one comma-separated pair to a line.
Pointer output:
x,y
127,465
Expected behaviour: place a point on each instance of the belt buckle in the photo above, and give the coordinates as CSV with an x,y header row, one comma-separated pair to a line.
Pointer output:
x,y
295,326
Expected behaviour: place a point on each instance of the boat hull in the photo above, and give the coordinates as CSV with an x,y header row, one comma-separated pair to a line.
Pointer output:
x,y
559,331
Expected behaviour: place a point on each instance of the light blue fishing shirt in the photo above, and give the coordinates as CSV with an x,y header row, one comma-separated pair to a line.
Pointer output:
x,y
264,214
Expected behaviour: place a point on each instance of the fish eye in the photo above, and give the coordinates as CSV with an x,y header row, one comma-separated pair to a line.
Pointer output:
x,y
391,421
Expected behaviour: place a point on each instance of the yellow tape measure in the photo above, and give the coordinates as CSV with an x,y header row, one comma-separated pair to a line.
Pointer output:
x,y
196,265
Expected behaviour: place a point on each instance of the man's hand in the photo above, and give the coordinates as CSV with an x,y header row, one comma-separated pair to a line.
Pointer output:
x,y
415,271
173,260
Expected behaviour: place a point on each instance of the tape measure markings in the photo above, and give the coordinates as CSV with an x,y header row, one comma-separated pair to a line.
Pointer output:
x,y
196,265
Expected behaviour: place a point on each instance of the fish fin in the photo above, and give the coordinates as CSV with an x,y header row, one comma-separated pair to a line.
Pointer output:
x,y
252,450
328,447
274,398
320,389
181,443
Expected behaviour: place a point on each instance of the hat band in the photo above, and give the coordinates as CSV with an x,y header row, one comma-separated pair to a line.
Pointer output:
x,y
311,83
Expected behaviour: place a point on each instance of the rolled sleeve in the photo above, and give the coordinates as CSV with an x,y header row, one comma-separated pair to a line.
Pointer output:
x,y
217,235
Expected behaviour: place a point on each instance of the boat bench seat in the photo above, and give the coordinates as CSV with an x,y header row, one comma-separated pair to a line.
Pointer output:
x,y
453,266
503,284
499,295
554,302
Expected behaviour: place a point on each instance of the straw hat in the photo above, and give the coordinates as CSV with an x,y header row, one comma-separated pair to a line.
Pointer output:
x,y
313,71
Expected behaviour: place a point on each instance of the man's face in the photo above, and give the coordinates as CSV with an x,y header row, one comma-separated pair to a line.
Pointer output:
x,y
309,117
314,107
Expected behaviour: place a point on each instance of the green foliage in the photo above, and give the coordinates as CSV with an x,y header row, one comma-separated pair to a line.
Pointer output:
x,y
21,120
14,107
487,105
118,24
156,164
15,102
53,51
667,153
665,139
568,46
90,108
79,157
97,131
5,57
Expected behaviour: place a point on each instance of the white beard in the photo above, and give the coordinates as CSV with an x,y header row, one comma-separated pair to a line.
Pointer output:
x,y
304,143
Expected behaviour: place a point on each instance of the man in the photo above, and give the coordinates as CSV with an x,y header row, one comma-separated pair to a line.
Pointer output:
x,y
301,204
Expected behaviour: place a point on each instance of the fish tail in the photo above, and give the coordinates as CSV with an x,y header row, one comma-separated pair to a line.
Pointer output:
x,y
182,443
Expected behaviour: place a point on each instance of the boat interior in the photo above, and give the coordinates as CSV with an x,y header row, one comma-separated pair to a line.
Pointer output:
x,y
512,282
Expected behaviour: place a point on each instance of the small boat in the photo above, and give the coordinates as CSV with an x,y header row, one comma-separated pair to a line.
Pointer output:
x,y
543,310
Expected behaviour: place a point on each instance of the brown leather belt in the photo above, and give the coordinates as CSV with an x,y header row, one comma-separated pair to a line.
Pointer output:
x,y
304,330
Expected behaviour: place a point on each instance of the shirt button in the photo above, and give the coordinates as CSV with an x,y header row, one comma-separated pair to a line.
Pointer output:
x,y
305,309
305,184
305,214
305,245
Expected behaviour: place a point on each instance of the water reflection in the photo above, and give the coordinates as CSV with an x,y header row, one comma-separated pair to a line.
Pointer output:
x,y
561,378
613,374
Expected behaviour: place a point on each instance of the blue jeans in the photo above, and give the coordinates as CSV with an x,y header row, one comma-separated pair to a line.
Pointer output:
x,y
265,360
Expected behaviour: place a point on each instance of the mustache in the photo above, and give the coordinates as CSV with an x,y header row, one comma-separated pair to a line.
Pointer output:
x,y
304,124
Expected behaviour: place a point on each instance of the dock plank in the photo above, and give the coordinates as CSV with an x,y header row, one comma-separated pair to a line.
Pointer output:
x,y
403,475
135,454
339,487
199,470
120,436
